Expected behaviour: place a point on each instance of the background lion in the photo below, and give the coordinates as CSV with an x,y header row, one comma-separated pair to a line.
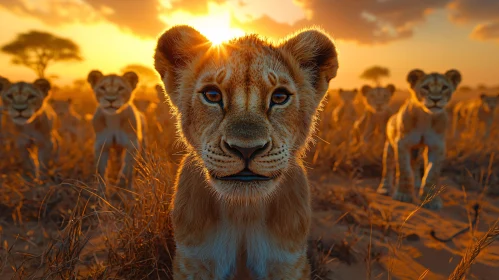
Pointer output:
x,y
117,123
420,123
32,123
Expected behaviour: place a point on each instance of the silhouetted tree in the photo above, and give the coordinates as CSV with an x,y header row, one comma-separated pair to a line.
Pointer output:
x,y
375,73
36,50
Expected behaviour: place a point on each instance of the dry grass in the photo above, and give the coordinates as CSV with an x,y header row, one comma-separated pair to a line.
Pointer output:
x,y
474,250
62,230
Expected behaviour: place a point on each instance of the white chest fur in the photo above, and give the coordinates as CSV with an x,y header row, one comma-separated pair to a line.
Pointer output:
x,y
224,245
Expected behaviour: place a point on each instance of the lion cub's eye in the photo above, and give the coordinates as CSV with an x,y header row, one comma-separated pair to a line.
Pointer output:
x,y
426,87
445,87
102,88
212,95
279,97
120,88
10,96
31,96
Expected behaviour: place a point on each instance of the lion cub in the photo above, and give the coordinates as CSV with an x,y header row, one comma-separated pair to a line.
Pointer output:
x,y
376,114
246,110
32,122
117,123
420,123
344,115
478,114
69,123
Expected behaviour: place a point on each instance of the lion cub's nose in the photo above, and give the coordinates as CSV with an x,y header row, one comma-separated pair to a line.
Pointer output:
x,y
246,153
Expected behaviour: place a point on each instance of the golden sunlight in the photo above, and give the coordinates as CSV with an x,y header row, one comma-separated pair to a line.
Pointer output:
x,y
215,25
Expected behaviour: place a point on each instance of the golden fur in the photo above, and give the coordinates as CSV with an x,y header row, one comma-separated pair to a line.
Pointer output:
x,y
420,123
477,115
117,123
162,109
32,123
376,114
245,106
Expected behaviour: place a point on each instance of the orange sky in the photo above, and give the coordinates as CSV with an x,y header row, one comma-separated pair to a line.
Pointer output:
x,y
433,35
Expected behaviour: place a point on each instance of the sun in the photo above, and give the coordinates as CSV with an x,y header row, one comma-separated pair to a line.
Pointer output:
x,y
216,25
218,34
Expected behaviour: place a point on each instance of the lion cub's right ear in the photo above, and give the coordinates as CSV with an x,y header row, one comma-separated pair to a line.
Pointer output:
x,y
4,83
93,77
176,48
414,76
43,85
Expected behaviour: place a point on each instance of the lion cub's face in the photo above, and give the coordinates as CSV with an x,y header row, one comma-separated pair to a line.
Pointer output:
x,y
61,106
246,107
24,101
377,99
113,92
433,91
489,102
347,96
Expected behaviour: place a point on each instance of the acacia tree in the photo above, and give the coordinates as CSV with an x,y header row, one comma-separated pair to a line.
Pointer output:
x,y
37,50
375,73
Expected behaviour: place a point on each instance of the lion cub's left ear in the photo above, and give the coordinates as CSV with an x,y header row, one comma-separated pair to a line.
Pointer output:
x,y
454,76
43,85
132,79
315,52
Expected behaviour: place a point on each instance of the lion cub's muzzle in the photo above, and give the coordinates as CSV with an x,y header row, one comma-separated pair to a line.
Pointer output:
x,y
247,154
20,113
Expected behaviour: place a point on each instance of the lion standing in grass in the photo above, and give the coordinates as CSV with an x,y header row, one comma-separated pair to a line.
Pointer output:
x,y
420,123
344,115
478,115
117,124
69,123
32,122
246,110
376,114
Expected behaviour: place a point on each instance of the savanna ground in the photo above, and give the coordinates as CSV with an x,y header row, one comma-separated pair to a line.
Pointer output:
x,y
61,230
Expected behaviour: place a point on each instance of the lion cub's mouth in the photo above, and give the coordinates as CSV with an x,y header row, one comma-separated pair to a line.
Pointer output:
x,y
245,175
434,107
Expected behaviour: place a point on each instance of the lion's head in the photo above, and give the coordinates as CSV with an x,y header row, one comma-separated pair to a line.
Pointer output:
x,y
246,107
23,101
377,99
489,102
433,91
113,92
347,96
61,106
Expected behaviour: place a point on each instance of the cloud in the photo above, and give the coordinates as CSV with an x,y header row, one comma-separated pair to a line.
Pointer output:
x,y
52,12
484,11
193,6
139,17
487,31
364,21
474,10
